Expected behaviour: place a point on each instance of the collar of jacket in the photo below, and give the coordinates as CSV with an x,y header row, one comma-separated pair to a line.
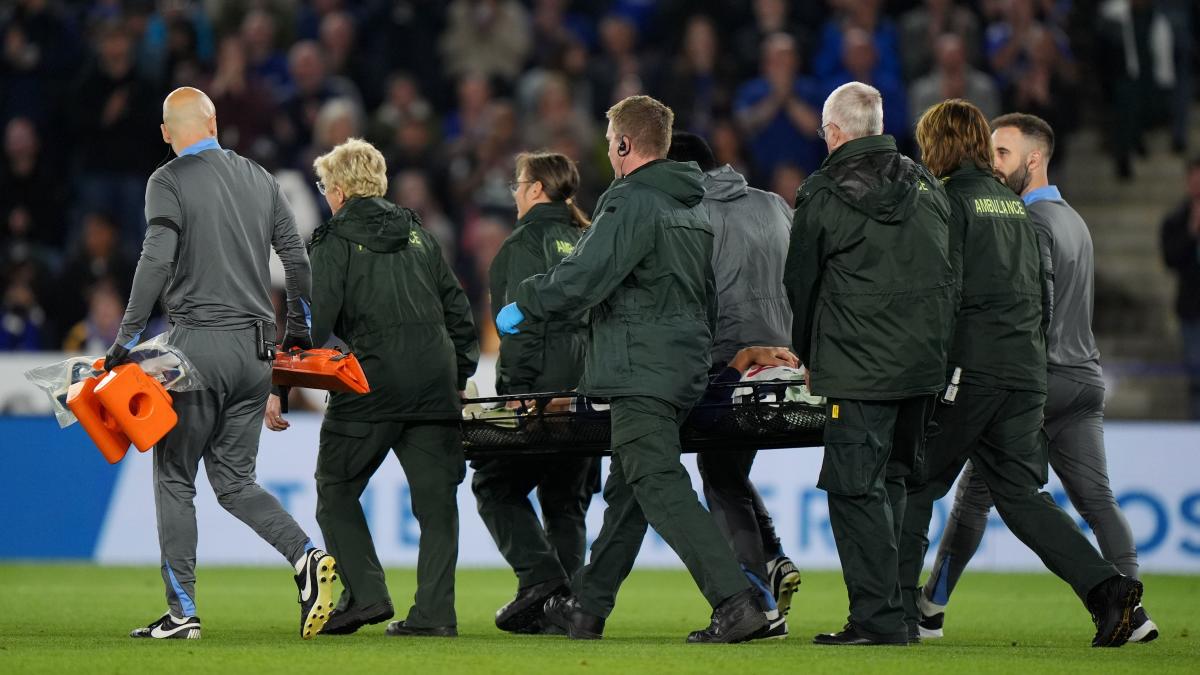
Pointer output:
x,y
969,168
546,213
373,222
860,146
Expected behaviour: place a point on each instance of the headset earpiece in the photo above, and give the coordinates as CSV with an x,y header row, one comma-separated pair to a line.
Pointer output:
x,y
622,147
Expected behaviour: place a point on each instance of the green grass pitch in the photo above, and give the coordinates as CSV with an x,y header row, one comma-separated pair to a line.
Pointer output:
x,y
74,618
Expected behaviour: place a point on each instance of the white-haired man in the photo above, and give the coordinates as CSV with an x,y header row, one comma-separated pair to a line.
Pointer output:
x,y
872,291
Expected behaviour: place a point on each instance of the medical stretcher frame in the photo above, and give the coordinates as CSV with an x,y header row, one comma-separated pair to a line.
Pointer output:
x,y
755,424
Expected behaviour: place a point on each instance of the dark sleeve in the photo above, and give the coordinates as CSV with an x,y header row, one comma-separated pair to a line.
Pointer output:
x,y
520,354
456,310
1045,242
329,259
803,268
164,213
296,271
715,395
1179,248
614,244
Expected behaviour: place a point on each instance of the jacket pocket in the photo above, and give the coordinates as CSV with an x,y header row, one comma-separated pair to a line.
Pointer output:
x,y
849,463
342,453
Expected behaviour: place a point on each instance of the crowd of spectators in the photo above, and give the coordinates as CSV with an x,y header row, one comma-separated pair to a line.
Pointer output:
x,y
451,91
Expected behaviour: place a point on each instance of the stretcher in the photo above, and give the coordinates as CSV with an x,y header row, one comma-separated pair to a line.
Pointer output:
x,y
327,369
566,423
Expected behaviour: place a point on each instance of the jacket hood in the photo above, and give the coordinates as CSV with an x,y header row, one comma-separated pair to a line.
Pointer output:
x,y
373,222
724,184
681,181
872,177
546,214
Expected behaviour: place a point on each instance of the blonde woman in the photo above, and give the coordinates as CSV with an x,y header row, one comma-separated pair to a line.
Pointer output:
x,y
381,284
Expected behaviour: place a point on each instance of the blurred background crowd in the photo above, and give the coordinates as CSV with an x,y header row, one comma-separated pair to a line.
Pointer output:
x,y
451,91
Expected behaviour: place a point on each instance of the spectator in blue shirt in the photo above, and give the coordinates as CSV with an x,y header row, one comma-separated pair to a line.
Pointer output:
x,y
779,112
861,62
859,15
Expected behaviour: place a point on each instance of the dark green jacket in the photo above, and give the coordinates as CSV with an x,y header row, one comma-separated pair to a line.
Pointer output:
x,y
643,268
546,355
869,276
999,338
381,285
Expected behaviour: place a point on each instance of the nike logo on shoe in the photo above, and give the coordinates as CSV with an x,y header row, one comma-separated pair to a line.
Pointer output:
x,y
173,631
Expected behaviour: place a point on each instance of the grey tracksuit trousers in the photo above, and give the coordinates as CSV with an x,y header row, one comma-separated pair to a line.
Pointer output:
x,y
219,424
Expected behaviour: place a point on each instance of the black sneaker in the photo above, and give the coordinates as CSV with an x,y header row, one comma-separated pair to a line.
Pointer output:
x,y
784,579
914,634
1144,628
853,636
346,622
402,629
564,611
776,628
169,628
736,619
929,627
1112,603
524,613
315,574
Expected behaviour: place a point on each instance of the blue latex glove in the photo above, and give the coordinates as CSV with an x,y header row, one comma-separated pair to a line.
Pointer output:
x,y
508,318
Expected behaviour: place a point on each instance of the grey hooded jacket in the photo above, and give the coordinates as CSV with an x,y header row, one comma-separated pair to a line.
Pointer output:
x,y
751,230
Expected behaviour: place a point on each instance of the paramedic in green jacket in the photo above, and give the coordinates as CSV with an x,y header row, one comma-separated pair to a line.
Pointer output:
x,y
381,285
643,269
546,356
872,290
999,347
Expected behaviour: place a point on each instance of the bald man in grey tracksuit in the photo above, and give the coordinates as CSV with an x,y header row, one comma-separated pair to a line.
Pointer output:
x,y
213,219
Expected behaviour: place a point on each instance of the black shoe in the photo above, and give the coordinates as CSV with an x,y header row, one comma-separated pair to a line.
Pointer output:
x,y
524,613
544,627
854,636
315,574
564,611
784,579
914,635
169,628
346,622
402,629
1144,628
736,619
1112,603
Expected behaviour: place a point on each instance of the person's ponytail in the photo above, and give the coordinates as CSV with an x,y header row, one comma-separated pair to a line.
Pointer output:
x,y
581,219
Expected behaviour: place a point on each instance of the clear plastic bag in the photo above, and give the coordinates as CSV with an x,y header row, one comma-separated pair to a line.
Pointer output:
x,y
163,362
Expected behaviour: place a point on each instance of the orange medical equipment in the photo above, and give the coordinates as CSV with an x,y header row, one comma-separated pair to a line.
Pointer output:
x,y
120,407
139,404
99,425
327,369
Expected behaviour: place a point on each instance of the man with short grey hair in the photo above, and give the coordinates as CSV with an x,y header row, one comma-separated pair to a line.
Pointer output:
x,y
854,110
872,291
213,219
